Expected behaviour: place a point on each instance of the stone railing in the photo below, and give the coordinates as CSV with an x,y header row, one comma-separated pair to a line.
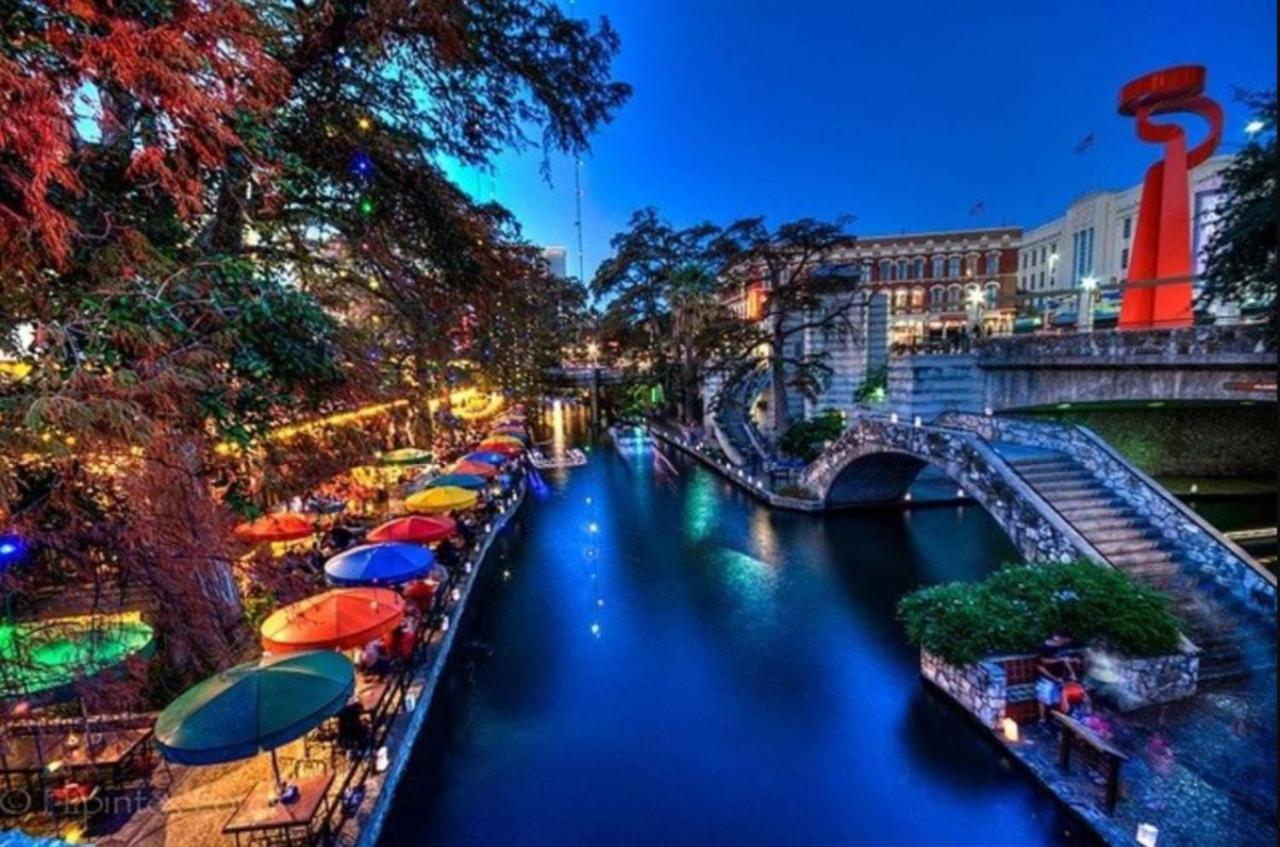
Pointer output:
x,y
1239,344
1036,529
1211,553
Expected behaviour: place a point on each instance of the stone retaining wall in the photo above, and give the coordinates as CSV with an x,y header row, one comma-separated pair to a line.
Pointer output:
x,y
980,689
1129,683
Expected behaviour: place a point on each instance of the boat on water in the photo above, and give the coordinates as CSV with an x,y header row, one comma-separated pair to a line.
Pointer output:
x,y
630,438
571,458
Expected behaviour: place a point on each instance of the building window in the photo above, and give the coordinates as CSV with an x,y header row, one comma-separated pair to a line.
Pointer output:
x,y
1042,279
1042,255
1025,257
1082,254
902,269
885,270
936,295
953,266
992,294
917,294
938,263
953,293
900,298
1128,227
1124,258
918,268
993,264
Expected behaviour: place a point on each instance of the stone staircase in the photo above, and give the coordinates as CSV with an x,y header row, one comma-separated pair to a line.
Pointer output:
x,y
1232,641
731,419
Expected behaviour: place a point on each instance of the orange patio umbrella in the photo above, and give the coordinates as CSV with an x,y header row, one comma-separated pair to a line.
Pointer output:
x,y
339,619
417,529
474,468
281,526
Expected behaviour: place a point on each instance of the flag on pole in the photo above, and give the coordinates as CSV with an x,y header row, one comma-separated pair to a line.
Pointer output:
x,y
1085,144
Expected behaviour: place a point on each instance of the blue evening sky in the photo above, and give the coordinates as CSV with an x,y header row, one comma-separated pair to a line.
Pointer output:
x,y
905,114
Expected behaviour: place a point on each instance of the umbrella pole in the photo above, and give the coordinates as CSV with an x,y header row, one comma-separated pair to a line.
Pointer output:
x,y
275,770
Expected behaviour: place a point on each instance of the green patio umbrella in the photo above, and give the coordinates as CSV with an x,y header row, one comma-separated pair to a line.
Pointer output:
x,y
405,456
256,706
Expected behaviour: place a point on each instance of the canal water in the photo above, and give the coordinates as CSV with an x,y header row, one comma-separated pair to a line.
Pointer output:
x,y
653,658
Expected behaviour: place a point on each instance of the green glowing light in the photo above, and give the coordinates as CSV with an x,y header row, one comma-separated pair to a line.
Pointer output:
x,y
366,206
42,655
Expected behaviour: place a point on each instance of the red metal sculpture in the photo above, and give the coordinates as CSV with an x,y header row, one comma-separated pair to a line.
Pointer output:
x,y
1158,292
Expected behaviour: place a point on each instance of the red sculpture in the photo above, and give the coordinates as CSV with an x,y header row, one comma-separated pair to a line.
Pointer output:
x,y
1158,292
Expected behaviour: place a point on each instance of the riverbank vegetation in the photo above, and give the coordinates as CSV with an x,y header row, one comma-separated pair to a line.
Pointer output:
x,y
1018,607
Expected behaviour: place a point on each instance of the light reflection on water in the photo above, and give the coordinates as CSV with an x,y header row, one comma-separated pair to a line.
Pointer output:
x,y
749,684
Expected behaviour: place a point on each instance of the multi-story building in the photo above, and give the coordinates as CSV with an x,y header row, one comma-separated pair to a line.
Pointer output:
x,y
910,290
939,283
1094,238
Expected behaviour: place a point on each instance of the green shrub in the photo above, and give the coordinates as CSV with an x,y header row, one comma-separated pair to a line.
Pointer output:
x,y
805,439
1020,606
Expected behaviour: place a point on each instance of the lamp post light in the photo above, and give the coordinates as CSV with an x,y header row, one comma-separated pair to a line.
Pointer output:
x,y
1084,308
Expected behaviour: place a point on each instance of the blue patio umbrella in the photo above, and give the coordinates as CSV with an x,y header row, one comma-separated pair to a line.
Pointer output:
x,y
469,481
495,459
390,563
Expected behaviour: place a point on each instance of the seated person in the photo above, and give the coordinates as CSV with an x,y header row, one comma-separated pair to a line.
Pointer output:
x,y
1058,684
352,732
373,660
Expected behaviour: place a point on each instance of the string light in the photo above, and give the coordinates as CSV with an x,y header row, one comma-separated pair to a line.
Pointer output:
x,y
364,123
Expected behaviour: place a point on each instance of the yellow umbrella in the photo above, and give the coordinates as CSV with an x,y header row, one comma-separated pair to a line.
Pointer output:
x,y
443,499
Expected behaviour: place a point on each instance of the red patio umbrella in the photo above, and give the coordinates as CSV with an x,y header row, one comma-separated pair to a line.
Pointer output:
x,y
474,468
417,529
281,526
335,620
504,446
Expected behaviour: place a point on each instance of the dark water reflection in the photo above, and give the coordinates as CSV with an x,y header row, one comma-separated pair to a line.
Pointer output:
x,y
747,683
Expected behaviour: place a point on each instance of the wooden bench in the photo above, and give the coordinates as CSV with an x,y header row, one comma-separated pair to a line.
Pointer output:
x,y
1071,731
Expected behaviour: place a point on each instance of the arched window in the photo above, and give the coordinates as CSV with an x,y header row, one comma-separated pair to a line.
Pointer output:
x,y
953,266
971,264
917,294
936,295
900,298
993,264
902,269
953,291
993,294
885,272
917,268
939,264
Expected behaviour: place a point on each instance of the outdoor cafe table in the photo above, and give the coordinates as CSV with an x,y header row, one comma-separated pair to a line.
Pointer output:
x,y
257,817
113,750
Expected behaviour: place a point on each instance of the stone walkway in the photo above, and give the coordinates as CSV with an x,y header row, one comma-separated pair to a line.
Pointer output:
x,y
1202,770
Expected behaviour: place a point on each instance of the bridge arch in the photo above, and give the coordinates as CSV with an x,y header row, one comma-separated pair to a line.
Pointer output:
x,y
877,459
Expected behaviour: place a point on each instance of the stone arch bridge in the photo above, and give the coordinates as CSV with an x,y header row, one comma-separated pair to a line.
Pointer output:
x,y
1060,492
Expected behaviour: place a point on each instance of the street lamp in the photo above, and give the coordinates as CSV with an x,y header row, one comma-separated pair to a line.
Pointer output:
x,y
1084,316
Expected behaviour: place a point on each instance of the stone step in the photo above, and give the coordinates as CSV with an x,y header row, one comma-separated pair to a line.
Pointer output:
x,y
1061,490
1078,514
1103,525
1141,557
1128,545
1050,467
1079,506
1126,531
1039,477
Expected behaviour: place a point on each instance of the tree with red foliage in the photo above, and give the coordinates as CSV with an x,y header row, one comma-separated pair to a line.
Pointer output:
x,y
218,216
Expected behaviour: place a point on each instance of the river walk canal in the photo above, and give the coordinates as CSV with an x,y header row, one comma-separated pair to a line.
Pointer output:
x,y
654,658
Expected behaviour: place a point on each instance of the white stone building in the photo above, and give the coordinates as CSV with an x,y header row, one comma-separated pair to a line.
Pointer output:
x,y
1094,238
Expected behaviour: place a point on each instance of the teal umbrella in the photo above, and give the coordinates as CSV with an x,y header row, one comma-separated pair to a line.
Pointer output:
x,y
469,481
256,706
